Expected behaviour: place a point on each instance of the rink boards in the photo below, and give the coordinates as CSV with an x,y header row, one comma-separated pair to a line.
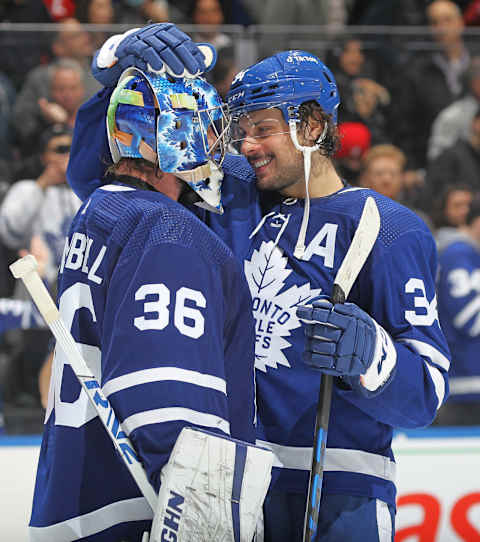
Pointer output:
x,y
438,480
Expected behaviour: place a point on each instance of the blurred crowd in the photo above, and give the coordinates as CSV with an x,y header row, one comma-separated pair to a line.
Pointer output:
x,y
409,122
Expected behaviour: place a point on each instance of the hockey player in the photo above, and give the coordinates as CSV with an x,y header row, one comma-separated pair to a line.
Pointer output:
x,y
290,218
161,312
458,308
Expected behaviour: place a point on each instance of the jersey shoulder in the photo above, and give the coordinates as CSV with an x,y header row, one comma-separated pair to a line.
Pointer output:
x,y
396,220
237,166
143,219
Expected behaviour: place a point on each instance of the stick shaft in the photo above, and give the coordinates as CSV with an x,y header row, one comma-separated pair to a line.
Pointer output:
x,y
87,379
318,459
360,247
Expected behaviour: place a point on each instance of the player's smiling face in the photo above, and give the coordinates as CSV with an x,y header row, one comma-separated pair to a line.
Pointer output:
x,y
265,142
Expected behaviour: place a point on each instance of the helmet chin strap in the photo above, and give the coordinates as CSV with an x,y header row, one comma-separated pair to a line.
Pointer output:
x,y
307,162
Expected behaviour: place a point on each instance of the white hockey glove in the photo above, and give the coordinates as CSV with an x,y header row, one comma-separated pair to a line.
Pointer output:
x,y
159,47
343,340
212,489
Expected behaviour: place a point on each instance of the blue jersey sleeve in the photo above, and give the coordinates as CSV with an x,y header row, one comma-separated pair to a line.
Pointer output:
x,y
90,153
398,288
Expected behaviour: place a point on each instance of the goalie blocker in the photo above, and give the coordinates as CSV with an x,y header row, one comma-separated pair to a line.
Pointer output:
x,y
213,488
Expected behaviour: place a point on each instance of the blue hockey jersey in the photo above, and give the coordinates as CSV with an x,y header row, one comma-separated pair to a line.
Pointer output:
x,y
459,311
18,314
396,287
161,312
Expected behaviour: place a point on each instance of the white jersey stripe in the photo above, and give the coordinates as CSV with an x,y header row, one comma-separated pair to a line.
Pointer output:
x,y
336,459
429,351
469,311
93,522
116,188
173,414
384,522
159,374
464,384
438,382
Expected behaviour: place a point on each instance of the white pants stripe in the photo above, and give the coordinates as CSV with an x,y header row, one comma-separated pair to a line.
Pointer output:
x,y
93,522
336,459
384,522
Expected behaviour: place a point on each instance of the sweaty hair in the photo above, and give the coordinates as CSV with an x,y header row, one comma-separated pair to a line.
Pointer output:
x,y
440,202
188,196
133,164
330,143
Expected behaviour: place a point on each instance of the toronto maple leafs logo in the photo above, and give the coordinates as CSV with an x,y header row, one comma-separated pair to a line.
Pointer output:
x,y
274,310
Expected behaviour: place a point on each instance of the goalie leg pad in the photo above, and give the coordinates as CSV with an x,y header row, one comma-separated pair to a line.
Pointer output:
x,y
213,488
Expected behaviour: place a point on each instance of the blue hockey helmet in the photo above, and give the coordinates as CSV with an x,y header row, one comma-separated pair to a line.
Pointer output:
x,y
165,121
285,80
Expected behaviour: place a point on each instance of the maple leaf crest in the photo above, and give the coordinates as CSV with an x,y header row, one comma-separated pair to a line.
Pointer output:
x,y
274,312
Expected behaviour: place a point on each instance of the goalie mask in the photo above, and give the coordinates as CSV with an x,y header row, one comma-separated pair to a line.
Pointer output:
x,y
165,121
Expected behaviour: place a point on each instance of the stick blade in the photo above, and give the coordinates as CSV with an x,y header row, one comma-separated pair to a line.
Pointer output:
x,y
23,266
362,243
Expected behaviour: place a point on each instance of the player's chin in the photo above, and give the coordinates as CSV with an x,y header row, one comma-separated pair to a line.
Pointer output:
x,y
265,183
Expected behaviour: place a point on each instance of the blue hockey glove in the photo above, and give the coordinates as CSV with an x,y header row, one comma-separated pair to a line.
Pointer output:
x,y
343,340
157,47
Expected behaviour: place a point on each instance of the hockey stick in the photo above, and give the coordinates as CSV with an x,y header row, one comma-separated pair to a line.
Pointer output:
x,y
360,247
26,270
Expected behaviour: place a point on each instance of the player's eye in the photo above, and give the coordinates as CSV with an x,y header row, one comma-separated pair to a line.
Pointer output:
x,y
268,127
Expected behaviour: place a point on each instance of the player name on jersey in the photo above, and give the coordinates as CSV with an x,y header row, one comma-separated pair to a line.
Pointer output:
x,y
78,254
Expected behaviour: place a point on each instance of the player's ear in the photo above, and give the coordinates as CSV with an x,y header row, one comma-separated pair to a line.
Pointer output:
x,y
312,130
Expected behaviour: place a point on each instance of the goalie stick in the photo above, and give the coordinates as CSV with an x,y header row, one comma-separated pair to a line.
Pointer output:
x,y
26,269
360,247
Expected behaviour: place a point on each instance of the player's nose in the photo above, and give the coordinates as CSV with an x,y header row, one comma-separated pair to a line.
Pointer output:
x,y
249,145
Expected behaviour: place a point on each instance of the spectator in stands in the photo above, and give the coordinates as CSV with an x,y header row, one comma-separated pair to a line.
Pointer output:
x,y
300,12
364,99
95,12
22,51
139,12
355,141
430,82
35,215
461,161
7,99
349,61
459,314
71,42
65,95
388,12
455,121
210,13
368,103
449,211
44,206
383,170
332,13
222,74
